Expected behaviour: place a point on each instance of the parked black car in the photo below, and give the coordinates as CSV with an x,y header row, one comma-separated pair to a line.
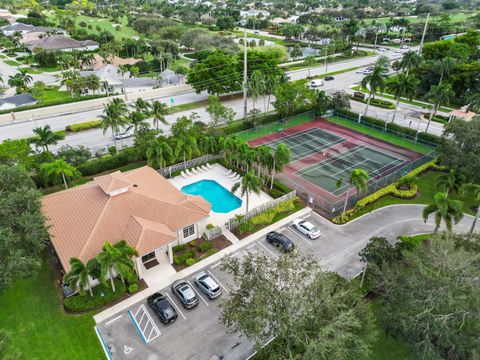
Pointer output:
x,y
162,307
184,292
280,241
329,78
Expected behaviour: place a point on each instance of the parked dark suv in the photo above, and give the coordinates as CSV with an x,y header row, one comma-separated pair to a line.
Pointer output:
x,y
162,307
280,241
184,292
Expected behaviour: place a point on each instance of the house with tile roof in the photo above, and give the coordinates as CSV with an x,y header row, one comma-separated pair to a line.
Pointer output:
x,y
140,207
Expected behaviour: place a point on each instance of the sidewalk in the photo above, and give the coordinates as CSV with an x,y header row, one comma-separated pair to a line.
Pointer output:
x,y
102,316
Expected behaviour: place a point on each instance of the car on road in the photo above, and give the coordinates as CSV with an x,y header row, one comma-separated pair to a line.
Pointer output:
x,y
280,241
162,307
381,49
316,83
256,32
185,294
208,285
404,47
306,228
122,135
329,78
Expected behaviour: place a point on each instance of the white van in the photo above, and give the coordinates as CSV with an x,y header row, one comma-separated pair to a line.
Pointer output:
x,y
316,83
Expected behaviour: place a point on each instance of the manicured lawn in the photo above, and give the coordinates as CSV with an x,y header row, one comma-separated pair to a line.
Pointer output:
x,y
331,59
39,70
263,130
427,189
460,17
33,314
392,139
12,62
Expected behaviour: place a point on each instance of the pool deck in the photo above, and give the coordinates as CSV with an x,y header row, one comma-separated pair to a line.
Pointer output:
x,y
218,174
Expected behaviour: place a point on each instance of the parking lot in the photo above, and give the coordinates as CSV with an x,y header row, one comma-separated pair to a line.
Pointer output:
x,y
197,333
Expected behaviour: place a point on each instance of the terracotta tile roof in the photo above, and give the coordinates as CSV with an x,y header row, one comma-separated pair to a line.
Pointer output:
x,y
147,215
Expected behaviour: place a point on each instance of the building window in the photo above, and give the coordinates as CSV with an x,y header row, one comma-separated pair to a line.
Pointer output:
x,y
148,257
188,231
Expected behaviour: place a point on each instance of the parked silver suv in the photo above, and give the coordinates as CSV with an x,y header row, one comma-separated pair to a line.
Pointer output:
x,y
208,285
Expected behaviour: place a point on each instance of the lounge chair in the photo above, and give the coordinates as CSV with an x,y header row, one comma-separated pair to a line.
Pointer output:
x,y
194,171
188,172
183,174
236,178
233,175
209,166
229,172
204,168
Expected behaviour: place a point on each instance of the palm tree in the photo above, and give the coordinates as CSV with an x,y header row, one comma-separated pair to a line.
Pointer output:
x,y
125,266
263,158
159,110
376,79
256,85
159,153
231,145
113,258
248,184
309,61
92,82
474,190
410,60
137,121
185,146
444,66
79,275
280,159
401,86
142,105
358,178
114,117
20,81
439,94
444,208
451,182
271,83
86,60
59,169
207,144
473,96
45,137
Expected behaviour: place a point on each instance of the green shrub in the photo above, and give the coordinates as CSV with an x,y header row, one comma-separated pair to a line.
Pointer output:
x,y
204,246
246,226
133,288
264,218
376,102
283,188
181,258
190,261
178,248
192,243
275,193
210,226
102,295
208,253
87,125
97,166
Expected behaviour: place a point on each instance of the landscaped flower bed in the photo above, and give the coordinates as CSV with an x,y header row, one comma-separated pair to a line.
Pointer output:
x,y
185,255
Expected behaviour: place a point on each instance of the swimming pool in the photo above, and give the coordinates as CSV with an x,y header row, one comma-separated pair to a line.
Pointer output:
x,y
222,200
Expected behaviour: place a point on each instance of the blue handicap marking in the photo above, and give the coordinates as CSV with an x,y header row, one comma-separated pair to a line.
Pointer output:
x,y
172,100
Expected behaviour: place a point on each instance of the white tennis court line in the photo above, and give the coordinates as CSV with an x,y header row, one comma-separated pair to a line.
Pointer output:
x,y
327,162
197,292
176,307
223,286
271,253
323,146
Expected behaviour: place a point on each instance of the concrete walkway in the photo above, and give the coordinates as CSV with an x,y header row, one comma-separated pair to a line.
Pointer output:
x,y
229,235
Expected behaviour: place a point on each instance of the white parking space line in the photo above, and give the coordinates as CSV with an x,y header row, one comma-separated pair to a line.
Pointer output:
x,y
250,246
223,286
145,325
300,235
245,252
216,265
114,319
176,307
197,292
271,253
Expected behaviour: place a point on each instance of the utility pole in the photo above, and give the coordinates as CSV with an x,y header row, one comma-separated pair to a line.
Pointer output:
x,y
326,57
245,74
423,35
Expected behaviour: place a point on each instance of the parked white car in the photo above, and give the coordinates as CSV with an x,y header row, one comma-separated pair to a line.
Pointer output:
x,y
316,83
123,135
306,228
404,47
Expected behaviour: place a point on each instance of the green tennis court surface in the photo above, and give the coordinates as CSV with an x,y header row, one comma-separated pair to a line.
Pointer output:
x,y
308,142
325,174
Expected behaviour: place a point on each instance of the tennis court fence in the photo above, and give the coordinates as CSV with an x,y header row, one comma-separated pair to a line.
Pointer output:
x,y
331,209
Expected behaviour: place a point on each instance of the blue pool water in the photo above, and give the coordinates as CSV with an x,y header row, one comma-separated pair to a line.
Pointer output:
x,y
222,200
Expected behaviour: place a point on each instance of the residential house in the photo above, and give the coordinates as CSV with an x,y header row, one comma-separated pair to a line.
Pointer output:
x,y
62,43
15,101
254,13
9,30
140,207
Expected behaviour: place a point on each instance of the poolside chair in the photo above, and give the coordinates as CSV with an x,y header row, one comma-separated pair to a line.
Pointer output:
x,y
236,178
204,168
209,166
229,172
234,175
194,171
188,172
201,169
183,174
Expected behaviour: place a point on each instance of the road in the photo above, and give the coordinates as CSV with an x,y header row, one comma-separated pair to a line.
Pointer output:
x,y
95,139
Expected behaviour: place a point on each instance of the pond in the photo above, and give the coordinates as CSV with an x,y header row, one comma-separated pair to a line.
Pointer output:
x,y
306,51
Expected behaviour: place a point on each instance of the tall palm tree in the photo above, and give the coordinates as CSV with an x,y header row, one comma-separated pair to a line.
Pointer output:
x,y
376,79
309,61
271,83
444,67
20,81
474,190
113,258
159,153
137,120
45,137
263,158
257,85
159,110
358,178
58,169
207,144
92,82
444,208
451,182
79,275
231,145
125,267
141,105
439,94
247,185
401,86
410,60
280,159
185,146
113,117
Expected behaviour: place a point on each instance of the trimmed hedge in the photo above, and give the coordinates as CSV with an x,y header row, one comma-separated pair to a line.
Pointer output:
x,y
83,126
102,295
96,166
179,248
391,189
181,258
190,261
392,126
376,102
